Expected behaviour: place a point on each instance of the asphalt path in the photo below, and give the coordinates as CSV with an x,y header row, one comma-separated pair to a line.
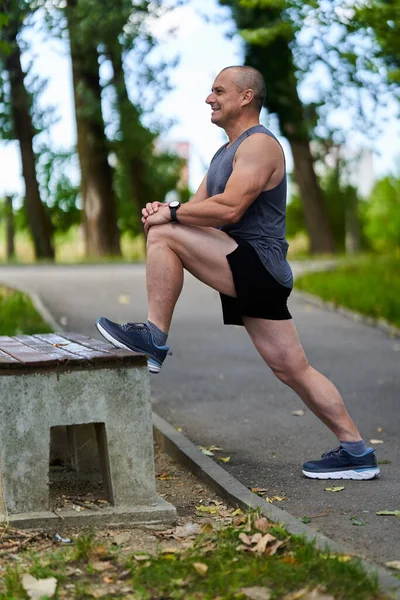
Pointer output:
x,y
218,390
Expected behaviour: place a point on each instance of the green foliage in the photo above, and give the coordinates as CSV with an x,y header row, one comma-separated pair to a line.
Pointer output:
x,y
57,189
371,287
18,315
382,215
338,199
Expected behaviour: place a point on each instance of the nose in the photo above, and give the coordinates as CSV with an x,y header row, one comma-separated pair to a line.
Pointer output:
x,y
210,98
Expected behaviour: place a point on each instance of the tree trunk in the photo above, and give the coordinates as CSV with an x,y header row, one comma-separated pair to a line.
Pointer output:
x,y
99,203
132,131
10,248
37,217
352,239
318,228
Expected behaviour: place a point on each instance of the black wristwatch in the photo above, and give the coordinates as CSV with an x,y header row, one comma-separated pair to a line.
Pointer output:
x,y
173,207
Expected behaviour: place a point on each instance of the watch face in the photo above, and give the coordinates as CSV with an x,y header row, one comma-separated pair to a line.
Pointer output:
x,y
174,204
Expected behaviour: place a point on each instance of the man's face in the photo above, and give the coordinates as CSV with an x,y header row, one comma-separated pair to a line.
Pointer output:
x,y
224,100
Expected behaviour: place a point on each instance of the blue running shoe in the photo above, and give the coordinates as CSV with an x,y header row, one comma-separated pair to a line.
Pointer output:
x,y
340,464
136,337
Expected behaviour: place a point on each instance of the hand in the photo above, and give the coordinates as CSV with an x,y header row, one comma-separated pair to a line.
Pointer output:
x,y
160,217
150,209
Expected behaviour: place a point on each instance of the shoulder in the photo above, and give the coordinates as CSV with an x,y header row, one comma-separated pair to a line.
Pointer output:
x,y
259,146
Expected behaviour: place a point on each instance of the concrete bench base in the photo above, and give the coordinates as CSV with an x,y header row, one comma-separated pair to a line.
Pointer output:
x,y
161,512
51,381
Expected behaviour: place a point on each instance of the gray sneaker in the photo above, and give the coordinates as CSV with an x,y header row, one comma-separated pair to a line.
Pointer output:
x,y
136,337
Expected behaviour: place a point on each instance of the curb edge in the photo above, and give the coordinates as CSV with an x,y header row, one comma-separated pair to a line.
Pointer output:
x,y
180,448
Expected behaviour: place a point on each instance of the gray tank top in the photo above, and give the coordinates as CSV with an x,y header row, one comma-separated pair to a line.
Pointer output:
x,y
263,225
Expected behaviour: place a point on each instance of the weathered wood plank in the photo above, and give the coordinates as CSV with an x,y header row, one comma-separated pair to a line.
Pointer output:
x,y
89,342
6,358
24,354
80,351
59,353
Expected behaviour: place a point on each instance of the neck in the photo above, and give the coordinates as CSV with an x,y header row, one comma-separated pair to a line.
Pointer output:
x,y
235,130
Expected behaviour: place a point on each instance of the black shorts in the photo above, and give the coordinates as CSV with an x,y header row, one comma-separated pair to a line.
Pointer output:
x,y
259,294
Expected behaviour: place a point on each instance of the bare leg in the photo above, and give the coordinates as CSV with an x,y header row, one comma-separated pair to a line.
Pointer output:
x,y
170,249
279,346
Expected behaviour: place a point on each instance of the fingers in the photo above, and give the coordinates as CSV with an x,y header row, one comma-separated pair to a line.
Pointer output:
x,y
151,208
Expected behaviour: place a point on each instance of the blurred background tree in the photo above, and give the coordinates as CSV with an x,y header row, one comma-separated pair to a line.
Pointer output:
x,y
20,120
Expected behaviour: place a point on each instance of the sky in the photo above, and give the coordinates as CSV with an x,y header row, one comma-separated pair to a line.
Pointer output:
x,y
204,48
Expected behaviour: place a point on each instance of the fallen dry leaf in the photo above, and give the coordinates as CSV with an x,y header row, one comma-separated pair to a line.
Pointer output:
x,y
317,594
275,498
101,565
212,510
37,588
263,543
389,513
224,459
171,550
107,579
164,476
261,524
256,593
245,539
334,489
141,557
100,550
273,548
200,568
296,595
376,441
339,557
298,413
393,564
238,511
239,520
59,345
206,451
206,528
259,491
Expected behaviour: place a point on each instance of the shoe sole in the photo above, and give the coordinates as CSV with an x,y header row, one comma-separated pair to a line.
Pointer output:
x,y
152,366
361,475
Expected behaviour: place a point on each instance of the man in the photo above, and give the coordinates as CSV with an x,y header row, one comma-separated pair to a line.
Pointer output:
x,y
231,236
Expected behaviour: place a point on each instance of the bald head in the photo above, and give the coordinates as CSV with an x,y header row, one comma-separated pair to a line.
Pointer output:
x,y
248,78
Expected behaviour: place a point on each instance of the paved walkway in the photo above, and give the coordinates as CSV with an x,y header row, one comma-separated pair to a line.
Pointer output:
x,y
216,387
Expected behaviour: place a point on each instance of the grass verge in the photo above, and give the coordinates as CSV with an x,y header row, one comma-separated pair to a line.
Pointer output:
x,y
18,314
370,287
227,563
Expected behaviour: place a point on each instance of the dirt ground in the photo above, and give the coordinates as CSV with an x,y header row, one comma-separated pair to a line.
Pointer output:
x,y
174,483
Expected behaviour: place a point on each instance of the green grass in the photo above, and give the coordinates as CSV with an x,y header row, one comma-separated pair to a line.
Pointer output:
x,y
70,249
18,314
370,287
172,575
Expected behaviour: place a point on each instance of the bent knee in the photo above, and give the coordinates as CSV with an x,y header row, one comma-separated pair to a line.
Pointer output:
x,y
158,233
291,370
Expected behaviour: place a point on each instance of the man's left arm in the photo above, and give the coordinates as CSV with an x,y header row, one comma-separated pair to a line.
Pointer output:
x,y
256,161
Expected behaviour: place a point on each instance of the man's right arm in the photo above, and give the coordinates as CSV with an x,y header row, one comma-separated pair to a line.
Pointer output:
x,y
201,193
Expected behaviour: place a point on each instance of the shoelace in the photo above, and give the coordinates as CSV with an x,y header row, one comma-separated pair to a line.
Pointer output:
x,y
131,327
143,330
337,451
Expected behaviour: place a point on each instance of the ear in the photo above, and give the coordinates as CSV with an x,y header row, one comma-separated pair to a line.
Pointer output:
x,y
247,97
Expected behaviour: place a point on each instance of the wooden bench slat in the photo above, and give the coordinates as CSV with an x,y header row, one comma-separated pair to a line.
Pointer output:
x,y
80,352
59,353
6,358
24,354
89,342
